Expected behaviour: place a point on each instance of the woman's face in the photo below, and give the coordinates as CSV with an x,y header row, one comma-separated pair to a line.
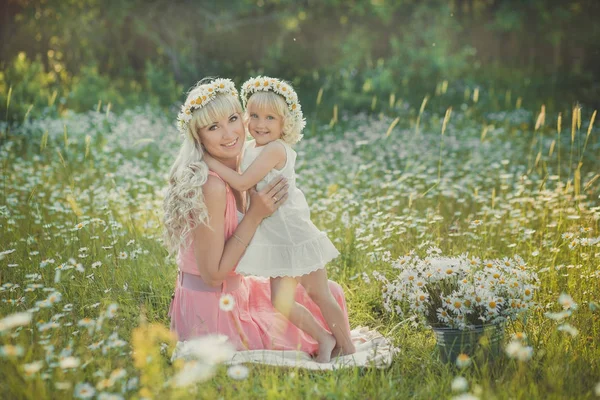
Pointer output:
x,y
224,139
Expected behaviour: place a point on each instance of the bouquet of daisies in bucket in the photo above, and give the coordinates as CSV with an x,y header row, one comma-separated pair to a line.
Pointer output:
x,y
459,292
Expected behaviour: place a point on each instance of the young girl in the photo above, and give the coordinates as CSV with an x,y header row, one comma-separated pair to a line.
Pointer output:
x,y
287,247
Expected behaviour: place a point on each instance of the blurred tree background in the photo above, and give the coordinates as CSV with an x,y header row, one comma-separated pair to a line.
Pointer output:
x,y
363,54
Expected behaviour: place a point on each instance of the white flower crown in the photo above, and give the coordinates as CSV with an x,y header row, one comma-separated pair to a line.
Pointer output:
x,y
265,84
205,94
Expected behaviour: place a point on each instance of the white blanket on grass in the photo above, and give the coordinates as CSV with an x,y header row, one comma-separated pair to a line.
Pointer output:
x,y
372,350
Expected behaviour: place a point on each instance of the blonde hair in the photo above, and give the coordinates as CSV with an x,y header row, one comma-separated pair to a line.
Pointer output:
x,y
183,206
291,133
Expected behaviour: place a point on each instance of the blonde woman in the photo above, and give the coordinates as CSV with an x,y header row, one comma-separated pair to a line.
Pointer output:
x,y
205,226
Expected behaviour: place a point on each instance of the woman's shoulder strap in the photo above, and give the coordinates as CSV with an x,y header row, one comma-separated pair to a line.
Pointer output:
x,y
213,173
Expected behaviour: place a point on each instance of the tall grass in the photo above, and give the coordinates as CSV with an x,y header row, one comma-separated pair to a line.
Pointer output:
x,y
80,219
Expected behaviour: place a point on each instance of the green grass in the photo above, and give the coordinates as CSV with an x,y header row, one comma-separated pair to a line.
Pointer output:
x,y
372,193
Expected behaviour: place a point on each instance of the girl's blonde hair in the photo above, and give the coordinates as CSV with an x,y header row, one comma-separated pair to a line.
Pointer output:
x,y
184,207
291,133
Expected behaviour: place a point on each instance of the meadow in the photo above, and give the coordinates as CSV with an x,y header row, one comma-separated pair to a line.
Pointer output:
x,y
81,249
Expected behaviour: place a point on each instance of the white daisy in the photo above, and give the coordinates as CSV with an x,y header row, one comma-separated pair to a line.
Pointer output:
x,y
571,330
32,368
11,351
84,391
465,396
103,384
54,298
111,311
516,350
238,372
567,302
69,362
557,316
463,360
227,302
459,384
86,322
109,396
442,315
210,349
15,320
193,372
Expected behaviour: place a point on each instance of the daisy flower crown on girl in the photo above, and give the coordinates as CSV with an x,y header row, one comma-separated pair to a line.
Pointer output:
x,y
205,94
266,84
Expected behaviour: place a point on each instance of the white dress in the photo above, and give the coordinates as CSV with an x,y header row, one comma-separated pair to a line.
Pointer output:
x,y
286,243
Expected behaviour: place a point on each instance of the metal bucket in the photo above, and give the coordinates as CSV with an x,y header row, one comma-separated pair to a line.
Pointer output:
x,y
452,342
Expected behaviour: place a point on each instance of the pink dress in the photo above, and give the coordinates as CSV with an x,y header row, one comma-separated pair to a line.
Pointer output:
x,y
253,323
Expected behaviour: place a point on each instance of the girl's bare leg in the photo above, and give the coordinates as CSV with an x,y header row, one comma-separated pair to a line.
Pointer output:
x,y
283,293
317,287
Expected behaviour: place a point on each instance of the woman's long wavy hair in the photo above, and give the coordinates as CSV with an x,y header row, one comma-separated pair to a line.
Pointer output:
x,y
184,207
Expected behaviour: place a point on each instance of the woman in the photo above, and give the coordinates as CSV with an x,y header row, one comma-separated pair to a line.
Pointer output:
x,y
201,219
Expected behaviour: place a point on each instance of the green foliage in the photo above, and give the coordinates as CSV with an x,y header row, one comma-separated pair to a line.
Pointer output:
x,y
90,88
359,52
160,85
36,92
156,88
424,54
30,87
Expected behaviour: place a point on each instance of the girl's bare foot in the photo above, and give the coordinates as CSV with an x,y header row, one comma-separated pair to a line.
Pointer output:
x,y
326,346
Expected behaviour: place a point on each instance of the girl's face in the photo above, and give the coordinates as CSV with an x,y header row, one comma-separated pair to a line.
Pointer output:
x,y
264,125
224,139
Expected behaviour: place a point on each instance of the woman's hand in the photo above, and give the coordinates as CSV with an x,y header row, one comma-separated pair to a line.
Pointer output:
x,y
269,199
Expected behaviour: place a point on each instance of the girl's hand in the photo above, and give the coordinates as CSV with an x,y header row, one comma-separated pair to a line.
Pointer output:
x,y
269,199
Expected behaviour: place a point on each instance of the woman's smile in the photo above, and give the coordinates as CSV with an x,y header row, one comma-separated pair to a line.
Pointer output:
x,y
231,144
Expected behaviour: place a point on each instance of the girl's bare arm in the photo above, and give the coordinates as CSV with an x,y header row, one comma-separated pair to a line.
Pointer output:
x,y
272,155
